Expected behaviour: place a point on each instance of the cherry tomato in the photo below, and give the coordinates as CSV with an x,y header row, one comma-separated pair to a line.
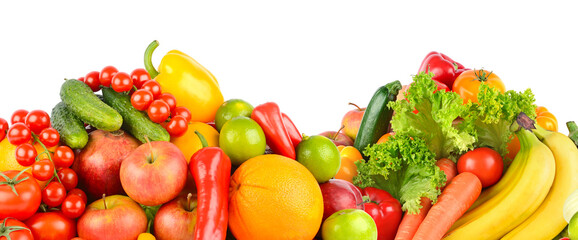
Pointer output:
x,y
170,100
49,137
73,206
106,75
23,205
158,111
68,178
19,134
51,226
25,154
18,116
154,87
78,192
92,79
121,82
53,194
42,170
37,120
139,76
468,83
63,157
80,79
141,99
485,163
3,128
177,126
182,111
13,229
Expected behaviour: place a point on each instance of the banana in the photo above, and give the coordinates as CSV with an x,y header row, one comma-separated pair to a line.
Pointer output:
x,y
548,220
532,185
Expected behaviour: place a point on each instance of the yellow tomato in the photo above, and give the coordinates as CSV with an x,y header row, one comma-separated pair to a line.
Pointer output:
x,y
8,157
348,169
146,236
467,84
190,143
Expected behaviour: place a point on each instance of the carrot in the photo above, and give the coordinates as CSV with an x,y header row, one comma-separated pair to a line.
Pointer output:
x,y
411,222
449,168
454,201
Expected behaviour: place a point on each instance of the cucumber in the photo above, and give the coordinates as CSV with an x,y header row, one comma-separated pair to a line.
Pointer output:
x,y
71,128
375,121
81,101
135,122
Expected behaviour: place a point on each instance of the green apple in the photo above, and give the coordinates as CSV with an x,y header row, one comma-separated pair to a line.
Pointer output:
x,y
349,224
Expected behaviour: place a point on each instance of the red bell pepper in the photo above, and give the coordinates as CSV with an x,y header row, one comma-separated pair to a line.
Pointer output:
x,y
294,133
444,68
211,169
269,117
385,211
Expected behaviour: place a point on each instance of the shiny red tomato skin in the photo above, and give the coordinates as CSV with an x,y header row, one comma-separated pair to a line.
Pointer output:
x,y
485,163
51,226
23,205
22,234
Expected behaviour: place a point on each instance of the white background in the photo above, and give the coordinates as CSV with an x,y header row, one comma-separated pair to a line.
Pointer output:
x,y
311,57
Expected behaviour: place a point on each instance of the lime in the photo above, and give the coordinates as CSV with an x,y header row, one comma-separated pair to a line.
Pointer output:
x,y
318,154
242,138
573,227
230,109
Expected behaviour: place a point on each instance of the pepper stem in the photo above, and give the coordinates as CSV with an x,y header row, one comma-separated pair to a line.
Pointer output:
x,y
148,59
573,131
202,138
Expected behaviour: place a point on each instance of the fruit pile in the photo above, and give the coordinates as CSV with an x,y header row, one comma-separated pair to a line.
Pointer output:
x,y
160,154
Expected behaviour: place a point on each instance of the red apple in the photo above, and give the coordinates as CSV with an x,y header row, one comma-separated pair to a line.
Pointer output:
x,y
154,173
351,121
114,218
98,163
177,218
339,194
338,138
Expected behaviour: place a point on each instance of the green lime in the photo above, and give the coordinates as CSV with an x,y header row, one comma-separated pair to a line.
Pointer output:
x,y
318,154
230,109
242,138
573,227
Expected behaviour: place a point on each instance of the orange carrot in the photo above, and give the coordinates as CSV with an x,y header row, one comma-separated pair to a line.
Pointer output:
x,y
449,168
454,201
410,222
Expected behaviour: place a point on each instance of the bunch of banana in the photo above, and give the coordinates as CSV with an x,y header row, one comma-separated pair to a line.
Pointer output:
x,y
525,186
548,220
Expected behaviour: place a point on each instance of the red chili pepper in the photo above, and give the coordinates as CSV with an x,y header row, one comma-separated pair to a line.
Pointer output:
x,y
294,133
211,169
385,211
269,117
444,68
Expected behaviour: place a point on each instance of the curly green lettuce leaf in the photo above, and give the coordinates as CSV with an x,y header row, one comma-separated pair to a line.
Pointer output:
x,y
405,167
434,121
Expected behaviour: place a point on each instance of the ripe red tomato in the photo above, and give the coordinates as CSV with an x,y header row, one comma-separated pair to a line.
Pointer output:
x,y
18,116
63,157
15,230
19,134
177,126
152,86
121,82
68,178
37,120
182,111
23,205
158,111
51,226
139,76
78,192
49,137
3,128
106,75
170,100
485,163
43,170
26,154
73,206
53,194
141,99
92,79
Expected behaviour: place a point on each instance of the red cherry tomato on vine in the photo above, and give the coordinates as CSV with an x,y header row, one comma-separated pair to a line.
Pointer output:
x,y
182,111
53,194
158,111
141,99
19,134
18,116
49,137
92,79
68,178
154,87
485,163
26,154
51,226
106,75
177,126
23,205
73,206
78,192
139,76
43,170
13,229
3,128
37,120
63,157
121,82
170,100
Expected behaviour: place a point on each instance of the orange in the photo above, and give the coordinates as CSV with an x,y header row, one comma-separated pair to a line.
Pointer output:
x,y
8,157
190,143
274,197
384,137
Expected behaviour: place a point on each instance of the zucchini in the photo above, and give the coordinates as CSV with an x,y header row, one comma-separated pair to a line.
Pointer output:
x,y
375,121
71,128
81,101
134,121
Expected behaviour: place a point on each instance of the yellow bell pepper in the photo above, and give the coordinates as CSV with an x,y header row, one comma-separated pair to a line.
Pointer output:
x,y
193,86
190,143
348,169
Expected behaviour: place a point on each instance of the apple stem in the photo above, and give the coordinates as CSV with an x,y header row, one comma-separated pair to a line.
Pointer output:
x,y
104,200
189,199
353,104
152,158
338,131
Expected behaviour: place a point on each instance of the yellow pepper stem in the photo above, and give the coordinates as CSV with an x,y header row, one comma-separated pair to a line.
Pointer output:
x,y
148,59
